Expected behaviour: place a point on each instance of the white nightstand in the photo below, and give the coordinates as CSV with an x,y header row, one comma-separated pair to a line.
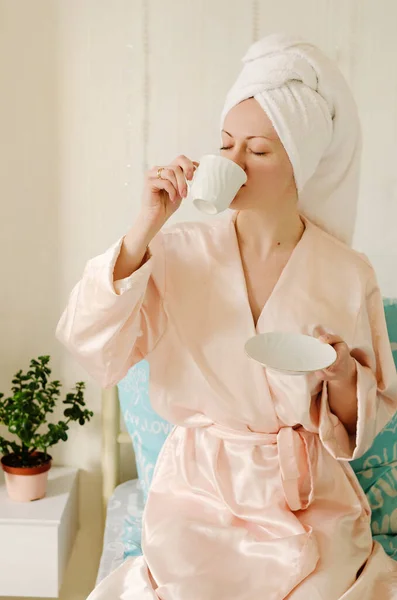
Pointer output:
x,y
36,538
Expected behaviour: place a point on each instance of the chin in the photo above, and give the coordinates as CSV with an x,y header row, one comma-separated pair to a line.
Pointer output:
x,y
239,201
234,205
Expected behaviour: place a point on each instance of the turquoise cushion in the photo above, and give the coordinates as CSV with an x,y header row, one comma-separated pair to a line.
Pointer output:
x,y
148,431
377,469
391,321
377,474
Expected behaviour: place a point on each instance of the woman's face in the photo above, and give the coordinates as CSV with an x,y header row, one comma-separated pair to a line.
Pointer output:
x,y
250,140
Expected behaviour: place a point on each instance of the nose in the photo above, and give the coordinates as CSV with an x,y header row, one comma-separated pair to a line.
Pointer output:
x,y
237,155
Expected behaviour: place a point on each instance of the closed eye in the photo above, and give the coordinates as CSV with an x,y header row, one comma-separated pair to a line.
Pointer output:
x,y
256,153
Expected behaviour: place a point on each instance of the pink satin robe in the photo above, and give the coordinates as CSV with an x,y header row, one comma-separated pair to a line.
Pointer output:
x,y
253,496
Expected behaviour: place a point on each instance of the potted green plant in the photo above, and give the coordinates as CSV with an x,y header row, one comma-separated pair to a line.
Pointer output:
x,y
26,461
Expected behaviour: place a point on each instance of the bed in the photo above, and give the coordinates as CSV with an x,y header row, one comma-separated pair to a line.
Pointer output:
x,y
122,494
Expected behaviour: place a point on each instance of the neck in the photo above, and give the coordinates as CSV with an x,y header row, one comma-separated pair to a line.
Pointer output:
x,y
261,233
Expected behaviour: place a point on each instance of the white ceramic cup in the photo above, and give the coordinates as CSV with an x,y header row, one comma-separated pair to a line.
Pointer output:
x,y
215,184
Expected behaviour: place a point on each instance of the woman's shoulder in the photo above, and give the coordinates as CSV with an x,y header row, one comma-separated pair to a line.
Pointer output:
x,y
341,254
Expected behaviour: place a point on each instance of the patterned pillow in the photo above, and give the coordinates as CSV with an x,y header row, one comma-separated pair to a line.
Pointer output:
x,y
148,431
377,474
377,469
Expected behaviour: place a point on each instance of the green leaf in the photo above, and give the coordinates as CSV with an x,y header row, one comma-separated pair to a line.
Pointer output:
x,y
34,398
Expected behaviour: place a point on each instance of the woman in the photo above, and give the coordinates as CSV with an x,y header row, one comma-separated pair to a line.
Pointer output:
x,y
253,496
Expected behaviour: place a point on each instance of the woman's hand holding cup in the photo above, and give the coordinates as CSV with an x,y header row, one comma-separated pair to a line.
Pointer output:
x,y
165,188
212,191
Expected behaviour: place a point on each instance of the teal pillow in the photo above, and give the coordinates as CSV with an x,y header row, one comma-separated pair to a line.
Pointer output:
x,y
377,474
148,431
391,321
377,469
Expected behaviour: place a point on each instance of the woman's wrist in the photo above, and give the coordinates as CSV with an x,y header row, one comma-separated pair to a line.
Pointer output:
x,y
342,398
134,248
350,377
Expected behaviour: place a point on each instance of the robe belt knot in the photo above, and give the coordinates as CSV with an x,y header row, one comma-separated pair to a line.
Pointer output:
x,y
294,454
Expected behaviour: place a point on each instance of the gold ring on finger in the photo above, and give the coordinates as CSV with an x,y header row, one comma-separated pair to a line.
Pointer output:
x,y
159,171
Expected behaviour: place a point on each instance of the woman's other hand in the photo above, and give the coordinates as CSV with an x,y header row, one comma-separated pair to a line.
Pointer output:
x,y
344,367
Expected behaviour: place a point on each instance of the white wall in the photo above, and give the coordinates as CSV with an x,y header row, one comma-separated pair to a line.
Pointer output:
x,y
73,128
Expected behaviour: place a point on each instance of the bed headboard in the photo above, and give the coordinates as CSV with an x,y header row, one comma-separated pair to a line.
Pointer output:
x,y
112,439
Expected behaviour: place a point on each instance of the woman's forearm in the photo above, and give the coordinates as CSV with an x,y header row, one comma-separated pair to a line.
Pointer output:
x,y
342,399
134,247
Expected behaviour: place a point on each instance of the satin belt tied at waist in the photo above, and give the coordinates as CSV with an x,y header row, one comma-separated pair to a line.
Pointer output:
x,y
293,455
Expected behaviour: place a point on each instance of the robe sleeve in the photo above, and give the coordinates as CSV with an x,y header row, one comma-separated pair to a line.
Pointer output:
x,y
110,326
376,382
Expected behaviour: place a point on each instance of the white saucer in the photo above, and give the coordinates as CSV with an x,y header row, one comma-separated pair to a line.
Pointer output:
x,y
291,353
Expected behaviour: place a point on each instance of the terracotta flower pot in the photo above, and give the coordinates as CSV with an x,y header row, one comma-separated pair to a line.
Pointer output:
x,y
25,484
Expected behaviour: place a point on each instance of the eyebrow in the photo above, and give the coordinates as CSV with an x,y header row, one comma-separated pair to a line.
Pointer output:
x,y
250,137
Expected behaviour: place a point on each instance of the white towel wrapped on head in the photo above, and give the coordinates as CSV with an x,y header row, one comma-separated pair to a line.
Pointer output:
x,y
315,116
